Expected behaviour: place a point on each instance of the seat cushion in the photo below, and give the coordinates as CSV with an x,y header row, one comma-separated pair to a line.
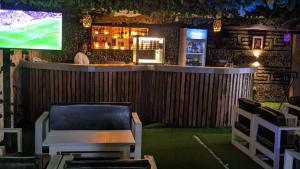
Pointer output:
x,y
107,164
108,116
18,162
295,100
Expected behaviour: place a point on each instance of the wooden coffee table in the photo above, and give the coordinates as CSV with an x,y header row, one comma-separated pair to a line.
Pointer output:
x,y
77,141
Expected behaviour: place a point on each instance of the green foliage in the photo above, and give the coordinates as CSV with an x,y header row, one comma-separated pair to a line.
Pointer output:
x,y
175,7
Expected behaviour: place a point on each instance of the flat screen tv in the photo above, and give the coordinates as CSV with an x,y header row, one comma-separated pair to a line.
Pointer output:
x,y
30,30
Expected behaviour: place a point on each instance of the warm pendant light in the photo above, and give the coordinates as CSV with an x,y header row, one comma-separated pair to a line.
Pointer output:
x,y
217,25
86,20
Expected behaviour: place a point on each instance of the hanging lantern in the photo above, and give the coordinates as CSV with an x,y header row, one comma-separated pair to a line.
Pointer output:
x,y
287,37
86,20
217,25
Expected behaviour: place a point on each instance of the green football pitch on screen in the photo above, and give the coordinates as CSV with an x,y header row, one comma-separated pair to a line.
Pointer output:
x,y
44,33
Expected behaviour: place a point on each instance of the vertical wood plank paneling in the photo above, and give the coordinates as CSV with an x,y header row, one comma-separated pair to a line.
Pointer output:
x,y
114,86
201,101
161,94
40,91
97,87
101,87
105,84
227,113
234,92
52,87
186,99
82,87
126,86
69,87
177,109
181,102
156,93
223,99
205,100
165,95
175,98
60,86
168,101
92,85
214,101
191,98
73,87
219,100
230,109
32,93
46,94
210,103
196,100
122,87
138,91
87,87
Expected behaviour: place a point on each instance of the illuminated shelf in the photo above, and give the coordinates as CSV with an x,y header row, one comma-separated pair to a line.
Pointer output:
x,y
112,37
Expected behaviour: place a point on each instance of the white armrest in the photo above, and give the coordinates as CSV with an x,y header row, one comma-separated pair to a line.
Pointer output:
x,y
137,134
289,157
54,162
41,130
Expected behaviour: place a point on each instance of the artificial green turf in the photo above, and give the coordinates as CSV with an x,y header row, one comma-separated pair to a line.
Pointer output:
x,y
176,148
273,105
219,142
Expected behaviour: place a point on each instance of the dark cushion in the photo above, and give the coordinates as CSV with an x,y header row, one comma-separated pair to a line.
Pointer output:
x,y
106,116
18,162
249,105
107,164
295,100
272,116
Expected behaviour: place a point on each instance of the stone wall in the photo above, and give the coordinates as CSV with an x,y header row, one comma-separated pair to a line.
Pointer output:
x,y
270,81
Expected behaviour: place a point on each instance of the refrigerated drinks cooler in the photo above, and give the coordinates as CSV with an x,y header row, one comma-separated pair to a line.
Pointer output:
x,y
192,47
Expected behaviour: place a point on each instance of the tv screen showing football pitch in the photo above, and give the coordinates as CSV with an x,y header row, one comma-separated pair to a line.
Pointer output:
x,y
30,30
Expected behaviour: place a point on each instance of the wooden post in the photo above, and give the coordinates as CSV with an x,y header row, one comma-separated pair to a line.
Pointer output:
x,y
6,88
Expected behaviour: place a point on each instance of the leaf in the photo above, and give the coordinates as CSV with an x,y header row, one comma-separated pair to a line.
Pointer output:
x,y
292,5
270,4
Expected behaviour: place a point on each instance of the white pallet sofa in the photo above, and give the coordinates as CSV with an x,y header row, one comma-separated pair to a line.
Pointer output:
x,y
81,117
249,144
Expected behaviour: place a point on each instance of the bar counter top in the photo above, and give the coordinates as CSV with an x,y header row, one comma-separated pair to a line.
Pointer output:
x,y
130,67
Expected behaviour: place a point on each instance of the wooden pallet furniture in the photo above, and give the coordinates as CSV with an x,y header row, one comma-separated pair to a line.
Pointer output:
x,y
18,132
273,154
101,127
249,144
289,157
239,139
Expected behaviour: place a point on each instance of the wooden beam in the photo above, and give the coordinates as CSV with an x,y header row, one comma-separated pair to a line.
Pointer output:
x,y
6,88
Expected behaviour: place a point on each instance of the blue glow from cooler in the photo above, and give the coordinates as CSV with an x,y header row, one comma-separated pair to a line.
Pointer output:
x,y
196,34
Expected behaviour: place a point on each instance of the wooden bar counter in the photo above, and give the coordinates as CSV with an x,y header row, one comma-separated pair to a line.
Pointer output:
x,y
183,96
